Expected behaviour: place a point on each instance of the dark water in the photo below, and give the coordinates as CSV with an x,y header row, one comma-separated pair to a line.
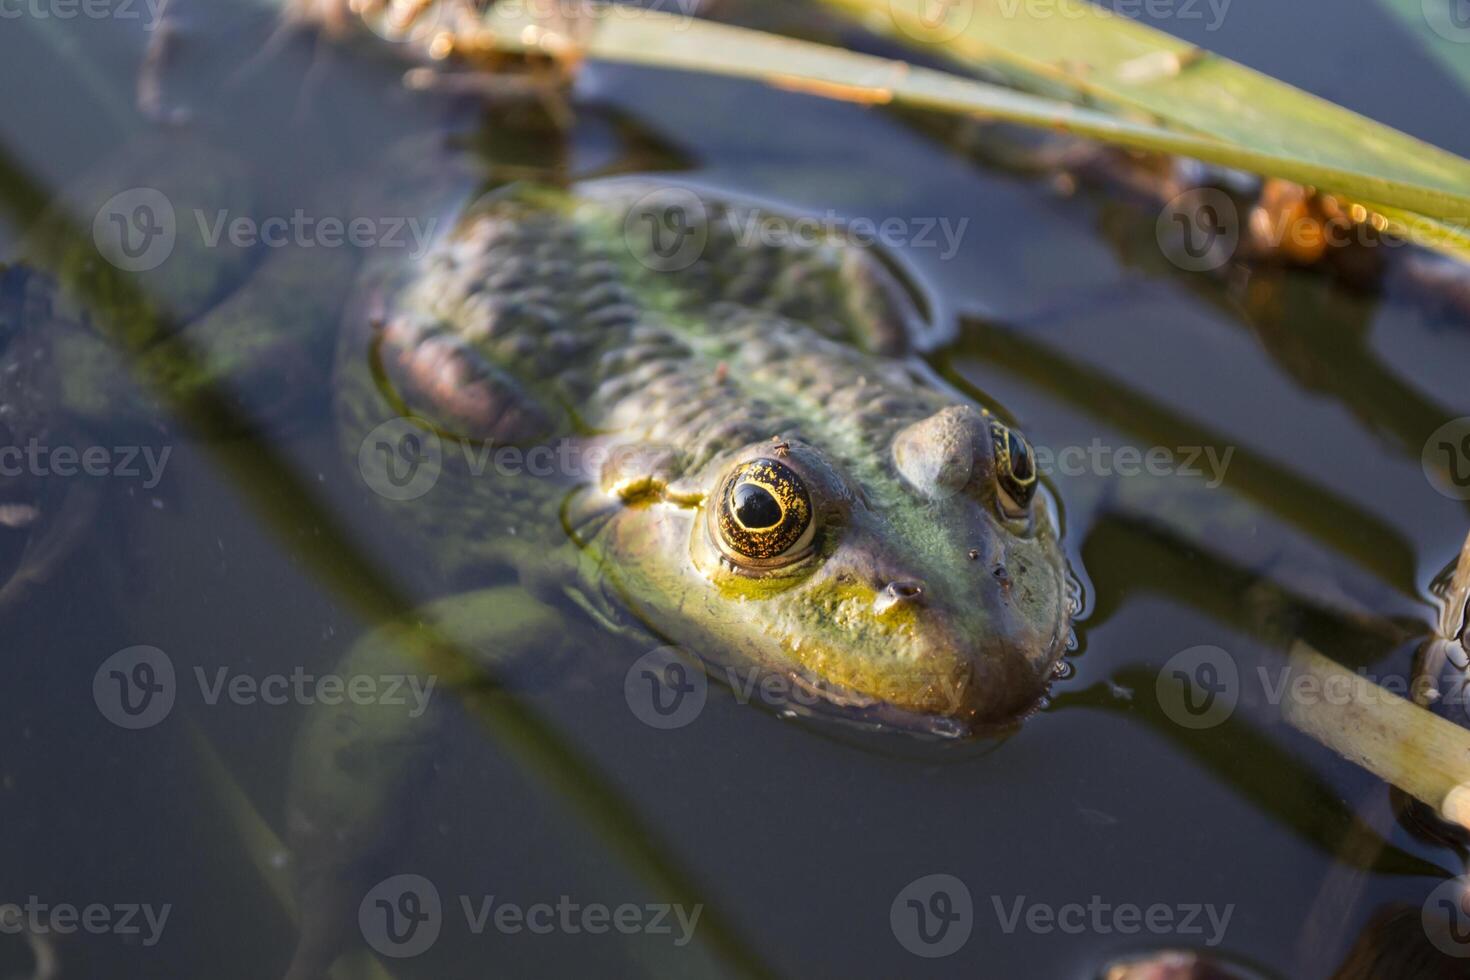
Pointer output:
x,y
258,554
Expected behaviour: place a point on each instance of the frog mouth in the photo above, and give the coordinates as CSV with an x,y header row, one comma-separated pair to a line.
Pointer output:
x,y
793,692
843,706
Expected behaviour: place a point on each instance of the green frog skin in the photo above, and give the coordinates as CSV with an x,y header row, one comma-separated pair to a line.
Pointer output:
x,y
750,466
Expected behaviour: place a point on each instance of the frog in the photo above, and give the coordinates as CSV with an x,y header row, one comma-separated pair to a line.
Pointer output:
x,y
883,524
753,468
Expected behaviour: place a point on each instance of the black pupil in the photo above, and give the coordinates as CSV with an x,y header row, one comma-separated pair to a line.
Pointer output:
x,y
1020,458
755,508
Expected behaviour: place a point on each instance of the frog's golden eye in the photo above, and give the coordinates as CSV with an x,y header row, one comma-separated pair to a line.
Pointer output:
x,y
1015,470
763,514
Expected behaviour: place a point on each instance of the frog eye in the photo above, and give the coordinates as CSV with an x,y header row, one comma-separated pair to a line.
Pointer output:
x,y
1015,470
763,515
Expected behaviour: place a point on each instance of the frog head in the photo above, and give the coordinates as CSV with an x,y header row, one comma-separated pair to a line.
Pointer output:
x,y
926,588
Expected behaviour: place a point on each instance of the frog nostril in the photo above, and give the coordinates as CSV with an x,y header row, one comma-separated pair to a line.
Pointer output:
x,y
900,593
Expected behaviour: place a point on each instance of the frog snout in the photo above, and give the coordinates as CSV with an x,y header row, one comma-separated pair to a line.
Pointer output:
x,y
1003,679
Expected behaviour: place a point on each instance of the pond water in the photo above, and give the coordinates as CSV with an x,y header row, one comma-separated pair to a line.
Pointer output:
x,y
1303,409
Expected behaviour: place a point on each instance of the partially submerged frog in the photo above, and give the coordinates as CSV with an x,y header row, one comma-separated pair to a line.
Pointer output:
x,y
736,471
749,479
742,459
750,465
